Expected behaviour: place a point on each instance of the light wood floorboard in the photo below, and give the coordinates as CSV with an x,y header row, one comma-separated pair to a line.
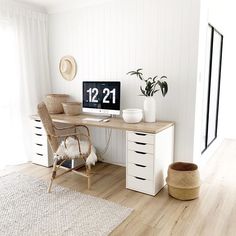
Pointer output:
x,y
213,214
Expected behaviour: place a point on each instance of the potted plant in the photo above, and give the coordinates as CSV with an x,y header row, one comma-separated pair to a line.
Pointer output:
x,y
152,86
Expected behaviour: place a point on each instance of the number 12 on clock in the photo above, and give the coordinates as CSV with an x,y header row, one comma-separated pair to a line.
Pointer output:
x,y
106,92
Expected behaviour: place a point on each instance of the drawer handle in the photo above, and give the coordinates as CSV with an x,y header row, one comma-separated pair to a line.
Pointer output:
x,y
39,134
38,144
144,153
140,143
39,154
37,120
141,134
37,127
139,178
140,165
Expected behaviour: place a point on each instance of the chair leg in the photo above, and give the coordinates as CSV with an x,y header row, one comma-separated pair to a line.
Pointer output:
x,y
53,175
89,176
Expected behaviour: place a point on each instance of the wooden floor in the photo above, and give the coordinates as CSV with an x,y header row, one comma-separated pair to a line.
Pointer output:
x,y
214,213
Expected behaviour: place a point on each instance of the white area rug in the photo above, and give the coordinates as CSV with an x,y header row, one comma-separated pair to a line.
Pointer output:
x,y
27,210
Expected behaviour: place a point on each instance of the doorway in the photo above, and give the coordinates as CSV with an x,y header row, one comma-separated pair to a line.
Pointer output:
x,y
211,93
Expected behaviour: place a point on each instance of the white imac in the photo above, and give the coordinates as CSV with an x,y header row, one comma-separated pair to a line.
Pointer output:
x,y
101,97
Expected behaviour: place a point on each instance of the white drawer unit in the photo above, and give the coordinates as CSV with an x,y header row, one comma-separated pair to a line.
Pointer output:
x,y
141,158
141,147
141,137
39,139
37,127
147,159
139,184
142,171
42,154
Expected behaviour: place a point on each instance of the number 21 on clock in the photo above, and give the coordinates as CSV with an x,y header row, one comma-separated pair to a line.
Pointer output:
x,y
106,92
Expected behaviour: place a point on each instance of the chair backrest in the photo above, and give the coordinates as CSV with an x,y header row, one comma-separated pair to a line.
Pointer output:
x,y
48,126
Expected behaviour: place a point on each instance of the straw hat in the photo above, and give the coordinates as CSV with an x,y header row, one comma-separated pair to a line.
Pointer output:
x,y
67,67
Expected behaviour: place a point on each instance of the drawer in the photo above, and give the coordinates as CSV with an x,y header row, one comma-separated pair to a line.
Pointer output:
x,y
143,171
37,122
139,184
40,159
40,148
39,138
141,147
140,157
38,130
141,137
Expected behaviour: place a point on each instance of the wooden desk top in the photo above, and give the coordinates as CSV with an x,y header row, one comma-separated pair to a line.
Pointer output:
x,y
114,123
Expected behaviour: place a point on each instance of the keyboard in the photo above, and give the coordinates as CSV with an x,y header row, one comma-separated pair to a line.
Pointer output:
x,y
93,119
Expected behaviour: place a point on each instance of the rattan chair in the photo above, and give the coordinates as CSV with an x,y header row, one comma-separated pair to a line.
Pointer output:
x,y
54,139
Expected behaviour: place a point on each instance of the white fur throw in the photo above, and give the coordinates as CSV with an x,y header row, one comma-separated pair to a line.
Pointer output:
x,y
70,149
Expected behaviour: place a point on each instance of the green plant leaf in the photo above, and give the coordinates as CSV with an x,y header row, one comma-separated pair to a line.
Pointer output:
x,y
130,72
151,83
164,87
140,76
143,92
163,77
154,85
154,79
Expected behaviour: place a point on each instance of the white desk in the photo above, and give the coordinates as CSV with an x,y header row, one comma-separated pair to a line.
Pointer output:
x,y
149,149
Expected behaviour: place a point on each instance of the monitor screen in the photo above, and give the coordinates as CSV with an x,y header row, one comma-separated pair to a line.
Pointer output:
x,y
101,97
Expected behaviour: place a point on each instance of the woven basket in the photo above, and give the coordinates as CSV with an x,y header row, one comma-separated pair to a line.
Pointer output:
x,y
72,108
54,102
183,181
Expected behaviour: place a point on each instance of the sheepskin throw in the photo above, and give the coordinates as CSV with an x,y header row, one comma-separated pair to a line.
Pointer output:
x,y
70,149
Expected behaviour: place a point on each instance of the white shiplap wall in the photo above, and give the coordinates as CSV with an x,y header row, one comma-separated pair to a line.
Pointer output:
x,y
110,39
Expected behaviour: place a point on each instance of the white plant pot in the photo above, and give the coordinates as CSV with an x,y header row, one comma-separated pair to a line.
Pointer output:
x,y
149,108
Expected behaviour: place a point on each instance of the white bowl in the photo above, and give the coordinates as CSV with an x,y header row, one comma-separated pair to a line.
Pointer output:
x,y
132,115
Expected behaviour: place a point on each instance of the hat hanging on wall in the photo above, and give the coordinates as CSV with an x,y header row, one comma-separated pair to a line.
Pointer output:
x,y
68,67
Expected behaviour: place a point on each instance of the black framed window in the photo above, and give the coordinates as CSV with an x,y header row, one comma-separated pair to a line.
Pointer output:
x,y
211,92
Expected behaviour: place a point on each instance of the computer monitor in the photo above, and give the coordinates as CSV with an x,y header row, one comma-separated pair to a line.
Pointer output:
x,y
101,97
